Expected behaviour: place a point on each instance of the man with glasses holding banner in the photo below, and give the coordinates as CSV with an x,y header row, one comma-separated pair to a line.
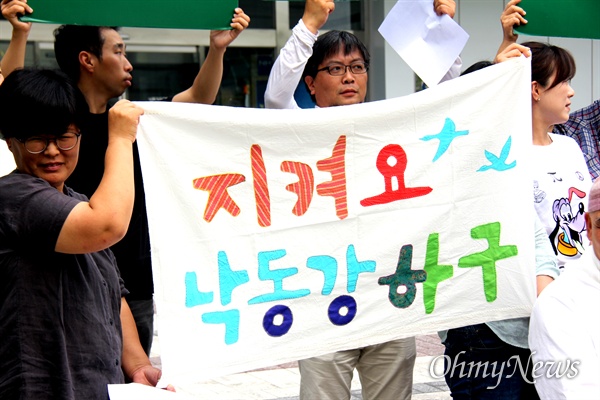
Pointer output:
x,y
334,68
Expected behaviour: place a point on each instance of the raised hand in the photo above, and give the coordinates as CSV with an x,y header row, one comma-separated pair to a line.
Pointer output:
x,y
445,7
511,51
316,13
123,119
511,16
222,39
12,10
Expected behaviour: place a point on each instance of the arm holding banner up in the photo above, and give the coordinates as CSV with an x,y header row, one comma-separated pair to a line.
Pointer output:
x,y
15,54
206,85
511,16
101,222
511,51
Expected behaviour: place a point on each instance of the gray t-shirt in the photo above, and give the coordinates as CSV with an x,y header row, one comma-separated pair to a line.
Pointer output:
x,y
59,313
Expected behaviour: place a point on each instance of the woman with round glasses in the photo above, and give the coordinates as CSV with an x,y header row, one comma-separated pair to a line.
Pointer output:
x,y
65,327
36,145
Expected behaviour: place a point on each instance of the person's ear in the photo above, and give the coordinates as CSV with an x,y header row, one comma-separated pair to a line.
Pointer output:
x,y
535,91
310,83
588,224
87,60
9,143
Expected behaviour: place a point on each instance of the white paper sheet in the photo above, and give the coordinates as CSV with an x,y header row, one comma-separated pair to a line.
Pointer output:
x,y
7,162
428,43
136,391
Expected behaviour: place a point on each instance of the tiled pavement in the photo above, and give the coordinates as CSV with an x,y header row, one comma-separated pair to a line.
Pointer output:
x,y
281,382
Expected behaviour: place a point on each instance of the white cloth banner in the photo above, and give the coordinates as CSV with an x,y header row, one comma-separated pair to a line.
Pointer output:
x,y
7,161
283,234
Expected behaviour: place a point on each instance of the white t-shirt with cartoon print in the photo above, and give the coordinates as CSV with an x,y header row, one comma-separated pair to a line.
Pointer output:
x,y
561,184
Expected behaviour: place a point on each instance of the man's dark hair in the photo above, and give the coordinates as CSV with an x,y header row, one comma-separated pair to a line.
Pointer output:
x,y
329,44
70,40
547,59
477,66
37,102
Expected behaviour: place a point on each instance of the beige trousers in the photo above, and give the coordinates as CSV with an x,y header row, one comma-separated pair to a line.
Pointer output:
x,y
385,371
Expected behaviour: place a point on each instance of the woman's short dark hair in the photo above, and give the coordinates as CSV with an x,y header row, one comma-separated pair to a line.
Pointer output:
x,y
37,101
547,59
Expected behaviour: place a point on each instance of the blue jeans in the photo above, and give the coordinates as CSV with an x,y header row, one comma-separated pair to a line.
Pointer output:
x,y
479,365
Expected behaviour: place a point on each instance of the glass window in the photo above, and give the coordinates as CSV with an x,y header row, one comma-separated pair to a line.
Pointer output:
x,y
261,12
158,76
32,58
347,15
245,75
44,56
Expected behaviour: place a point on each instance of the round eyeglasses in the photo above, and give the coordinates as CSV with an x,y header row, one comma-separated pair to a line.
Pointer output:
x,y
337,69
37,145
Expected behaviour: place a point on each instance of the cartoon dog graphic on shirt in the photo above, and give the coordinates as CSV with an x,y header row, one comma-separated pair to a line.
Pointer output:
x,y
566,238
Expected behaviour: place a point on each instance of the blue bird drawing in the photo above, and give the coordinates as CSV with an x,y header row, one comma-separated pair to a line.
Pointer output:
x,y
499,163
446,136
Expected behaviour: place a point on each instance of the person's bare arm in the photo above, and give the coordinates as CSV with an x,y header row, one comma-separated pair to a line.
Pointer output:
x,y
206,85
135,363
15,53
542,281
103,221
512,16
